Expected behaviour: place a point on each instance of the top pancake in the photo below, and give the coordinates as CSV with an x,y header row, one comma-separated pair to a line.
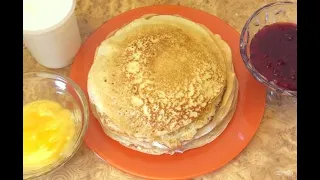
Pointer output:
x,y
157,75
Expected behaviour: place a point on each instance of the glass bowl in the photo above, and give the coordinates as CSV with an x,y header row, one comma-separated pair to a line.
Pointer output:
x,y
268,14
55,87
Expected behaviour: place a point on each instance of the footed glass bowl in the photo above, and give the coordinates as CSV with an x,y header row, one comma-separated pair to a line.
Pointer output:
x,y
284,12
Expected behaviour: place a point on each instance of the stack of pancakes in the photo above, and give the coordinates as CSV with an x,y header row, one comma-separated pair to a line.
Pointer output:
x,y
163,84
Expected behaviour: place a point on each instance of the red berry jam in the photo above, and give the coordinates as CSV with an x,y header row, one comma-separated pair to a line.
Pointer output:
x,y
273,53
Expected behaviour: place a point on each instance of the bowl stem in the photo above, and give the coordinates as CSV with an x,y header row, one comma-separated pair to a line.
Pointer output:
x,y
277,98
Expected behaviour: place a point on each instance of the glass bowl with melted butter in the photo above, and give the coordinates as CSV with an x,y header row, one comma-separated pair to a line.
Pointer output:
x,y
55,119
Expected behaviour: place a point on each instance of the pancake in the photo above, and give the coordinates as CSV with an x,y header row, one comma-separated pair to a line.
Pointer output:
x,y
156,148
145,69
232,87
161,83
212,135
188,133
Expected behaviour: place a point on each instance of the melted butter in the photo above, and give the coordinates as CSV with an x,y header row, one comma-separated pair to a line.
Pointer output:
x,y
48,129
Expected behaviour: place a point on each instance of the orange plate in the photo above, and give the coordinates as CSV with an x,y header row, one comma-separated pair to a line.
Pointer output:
x,y
194,162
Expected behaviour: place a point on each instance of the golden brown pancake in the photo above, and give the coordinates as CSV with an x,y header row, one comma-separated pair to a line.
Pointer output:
x,y
156,82
152,148
188,133
225,118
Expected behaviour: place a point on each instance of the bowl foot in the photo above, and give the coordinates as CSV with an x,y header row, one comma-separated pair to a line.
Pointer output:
x,y
275,98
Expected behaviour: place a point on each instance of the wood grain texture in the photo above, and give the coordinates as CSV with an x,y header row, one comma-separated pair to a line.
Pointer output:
x,y
272,153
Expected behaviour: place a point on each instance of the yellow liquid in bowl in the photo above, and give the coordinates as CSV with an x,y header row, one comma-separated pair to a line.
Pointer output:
x,y
48,130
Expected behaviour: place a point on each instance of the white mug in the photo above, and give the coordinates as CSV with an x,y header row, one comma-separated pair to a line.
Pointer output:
x,y
54,46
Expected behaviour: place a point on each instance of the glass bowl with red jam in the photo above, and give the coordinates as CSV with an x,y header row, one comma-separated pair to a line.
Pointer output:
x,y
268,46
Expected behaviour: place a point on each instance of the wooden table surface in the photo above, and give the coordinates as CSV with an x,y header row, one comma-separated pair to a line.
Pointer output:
x,y
272,153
